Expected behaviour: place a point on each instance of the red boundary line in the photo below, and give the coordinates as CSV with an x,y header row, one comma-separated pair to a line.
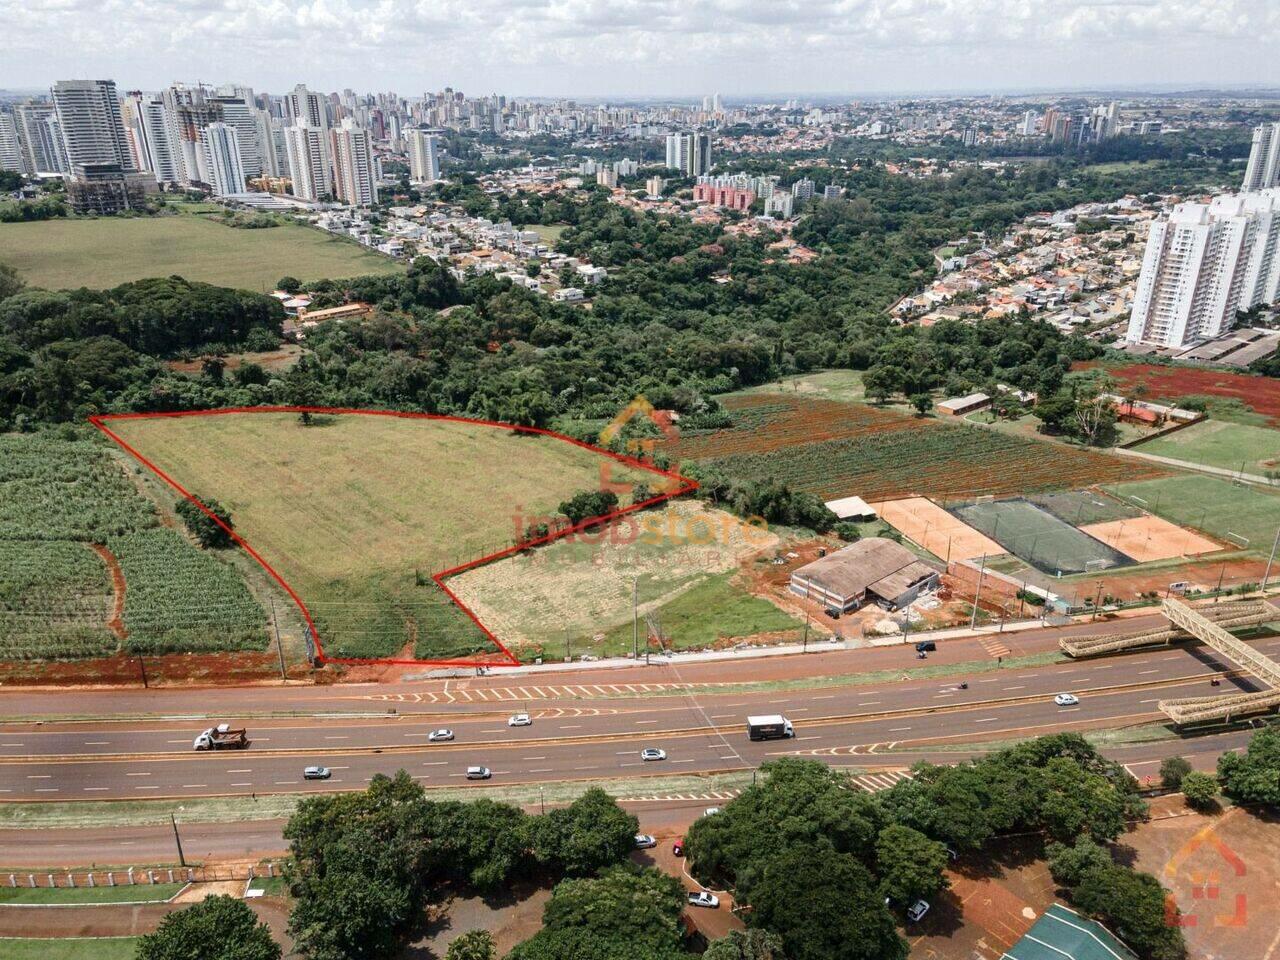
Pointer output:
x,y
687,486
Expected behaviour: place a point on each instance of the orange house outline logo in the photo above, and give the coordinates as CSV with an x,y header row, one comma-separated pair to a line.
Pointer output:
x,y
1206,884
640,448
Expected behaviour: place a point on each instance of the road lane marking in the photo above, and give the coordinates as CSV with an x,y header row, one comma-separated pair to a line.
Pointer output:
x,y
987,720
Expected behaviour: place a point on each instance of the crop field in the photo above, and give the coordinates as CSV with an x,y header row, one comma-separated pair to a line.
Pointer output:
x,y
835,450
182,600
1226,510
101,253
1040,538
356,512
67,508
579,591
1219,443
1261,394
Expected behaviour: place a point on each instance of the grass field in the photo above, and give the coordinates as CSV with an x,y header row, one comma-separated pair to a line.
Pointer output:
x,y
678,560
105,252
1216,443
71,948
549,233
356,512
845,385
1218,507
132,893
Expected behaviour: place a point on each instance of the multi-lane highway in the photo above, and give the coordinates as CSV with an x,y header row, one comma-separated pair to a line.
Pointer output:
x,y
595,730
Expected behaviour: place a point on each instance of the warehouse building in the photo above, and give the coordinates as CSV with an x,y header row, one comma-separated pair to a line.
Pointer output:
x,y
873,570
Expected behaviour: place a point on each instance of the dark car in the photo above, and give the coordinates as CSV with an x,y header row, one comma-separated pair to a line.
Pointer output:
x,y
832,612
926,646
678,847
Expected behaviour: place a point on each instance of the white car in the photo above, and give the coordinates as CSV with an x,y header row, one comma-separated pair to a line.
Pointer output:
x,y
704,899
645,841
710,811
438,736
1066,699
316,773
519,720
479,773
653,753
916,912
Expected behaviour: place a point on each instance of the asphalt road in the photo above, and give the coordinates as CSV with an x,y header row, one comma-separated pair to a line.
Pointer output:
x,y
702,731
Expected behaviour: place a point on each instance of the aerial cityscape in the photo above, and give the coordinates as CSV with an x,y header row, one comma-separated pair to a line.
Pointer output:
x,y
769,485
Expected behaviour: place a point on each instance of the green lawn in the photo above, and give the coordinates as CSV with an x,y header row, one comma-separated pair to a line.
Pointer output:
x,y
549,233
105,252
1216,443
135,893
74,948
843,385
1211,504
713,610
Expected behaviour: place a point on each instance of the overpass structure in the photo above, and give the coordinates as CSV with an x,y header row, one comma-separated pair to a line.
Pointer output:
x,y
1210,625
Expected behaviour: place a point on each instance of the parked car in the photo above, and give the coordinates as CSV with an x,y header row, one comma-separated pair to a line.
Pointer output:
x,y
519,720
479,773
832,612
653,753
710,811
1066,699
645,841
677,848
436,736
317,773
926,646
704,899
916,912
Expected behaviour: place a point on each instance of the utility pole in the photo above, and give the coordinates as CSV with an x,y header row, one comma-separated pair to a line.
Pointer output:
x,y
178,840
542,799
1271,559
805,647
1097,600
635,618
982,569
142,666
1217,594
279,646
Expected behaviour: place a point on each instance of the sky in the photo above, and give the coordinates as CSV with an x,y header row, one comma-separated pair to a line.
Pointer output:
x,y
657,48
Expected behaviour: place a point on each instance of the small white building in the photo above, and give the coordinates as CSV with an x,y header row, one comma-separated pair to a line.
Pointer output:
x,y
852,508
568,295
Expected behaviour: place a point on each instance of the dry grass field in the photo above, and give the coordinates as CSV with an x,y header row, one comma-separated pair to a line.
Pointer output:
x,y
356,512
579,591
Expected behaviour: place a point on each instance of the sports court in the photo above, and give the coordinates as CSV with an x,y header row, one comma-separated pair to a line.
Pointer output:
x,y
1083,507
923,522
1149,538
1048,543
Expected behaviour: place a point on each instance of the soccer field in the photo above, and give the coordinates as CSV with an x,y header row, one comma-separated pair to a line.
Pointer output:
x,y
1040,538
101,253
1217,443
1226,510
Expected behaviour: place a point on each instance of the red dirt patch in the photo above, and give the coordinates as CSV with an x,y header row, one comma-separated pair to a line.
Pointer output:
x,y
116,623
1262,394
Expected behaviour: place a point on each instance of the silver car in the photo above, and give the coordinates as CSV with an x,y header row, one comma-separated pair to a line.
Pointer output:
x,y
437,736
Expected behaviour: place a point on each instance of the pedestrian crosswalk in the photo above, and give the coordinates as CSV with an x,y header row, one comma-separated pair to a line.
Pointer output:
x,y
462,693
994,646
722,795
875,782
868,782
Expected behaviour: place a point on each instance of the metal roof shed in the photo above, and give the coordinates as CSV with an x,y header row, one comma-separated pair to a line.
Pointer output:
x,y
1062,934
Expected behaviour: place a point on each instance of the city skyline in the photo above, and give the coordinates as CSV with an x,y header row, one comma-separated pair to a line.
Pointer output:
x,y
654,48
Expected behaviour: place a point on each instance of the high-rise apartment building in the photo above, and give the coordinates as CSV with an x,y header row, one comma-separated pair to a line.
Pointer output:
x,y
40,136
10,149
1204,263
1264,158
690,153
224,159
424,156
308,152
354,176
239,112
92,123
305,108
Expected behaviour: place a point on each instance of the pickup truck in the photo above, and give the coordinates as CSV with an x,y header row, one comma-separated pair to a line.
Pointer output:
x,y
221,737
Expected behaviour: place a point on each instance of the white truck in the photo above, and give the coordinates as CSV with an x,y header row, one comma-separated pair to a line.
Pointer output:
x,y
221,737
773,727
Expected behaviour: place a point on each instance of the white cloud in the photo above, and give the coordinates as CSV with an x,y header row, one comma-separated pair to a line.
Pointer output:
x,y
636,46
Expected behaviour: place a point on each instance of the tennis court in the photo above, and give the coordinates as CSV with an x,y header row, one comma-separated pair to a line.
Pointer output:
x,y
1046,542
1148,538
923,522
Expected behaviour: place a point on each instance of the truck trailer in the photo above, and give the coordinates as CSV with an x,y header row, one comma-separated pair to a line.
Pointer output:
x,y
221,737
773,727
